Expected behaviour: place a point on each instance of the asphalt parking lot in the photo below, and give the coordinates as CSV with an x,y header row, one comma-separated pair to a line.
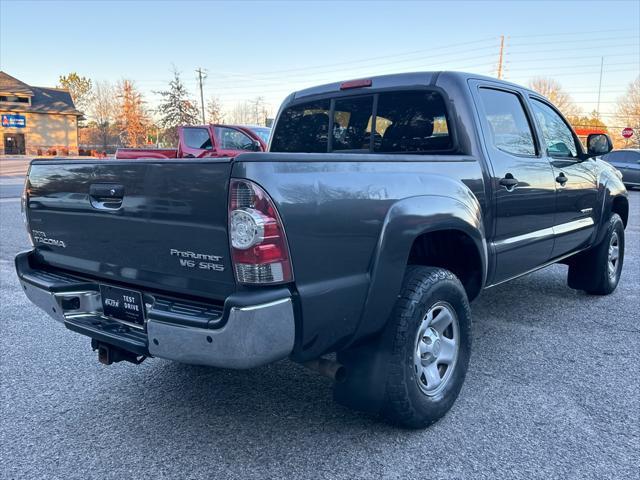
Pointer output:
x,y
553,391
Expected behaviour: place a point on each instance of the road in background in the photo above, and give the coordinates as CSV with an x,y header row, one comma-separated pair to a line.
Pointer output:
x,y
12,172
552,392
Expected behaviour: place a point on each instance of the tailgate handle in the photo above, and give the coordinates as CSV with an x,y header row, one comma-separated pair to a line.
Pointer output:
x,y
106,195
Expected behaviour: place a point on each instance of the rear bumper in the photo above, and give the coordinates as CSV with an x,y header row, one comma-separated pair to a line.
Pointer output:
x,y
241,335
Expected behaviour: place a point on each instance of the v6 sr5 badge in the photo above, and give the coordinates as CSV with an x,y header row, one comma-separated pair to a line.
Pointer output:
x,y
200,261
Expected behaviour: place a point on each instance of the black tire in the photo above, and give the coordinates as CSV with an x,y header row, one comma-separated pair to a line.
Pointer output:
x,y
589,271
405,402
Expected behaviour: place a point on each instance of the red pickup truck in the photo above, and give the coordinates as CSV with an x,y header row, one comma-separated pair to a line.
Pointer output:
x,y
204,141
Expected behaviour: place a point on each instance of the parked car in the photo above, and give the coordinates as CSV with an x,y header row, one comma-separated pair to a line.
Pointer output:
x,y
263,132
203,141
628,162
385,206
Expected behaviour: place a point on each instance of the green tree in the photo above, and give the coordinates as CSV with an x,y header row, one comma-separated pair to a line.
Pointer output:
x,y
176,109
79,87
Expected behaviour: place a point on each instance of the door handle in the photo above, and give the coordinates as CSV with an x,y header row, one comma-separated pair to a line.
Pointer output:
x,y
508,182
106,196
561,179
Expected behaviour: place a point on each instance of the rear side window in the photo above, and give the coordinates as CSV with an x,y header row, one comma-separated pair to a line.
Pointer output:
x,y
510,129
411,122
197,138
352,117
303,128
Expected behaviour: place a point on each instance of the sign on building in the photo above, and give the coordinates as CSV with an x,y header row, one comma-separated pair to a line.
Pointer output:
x,y
14,121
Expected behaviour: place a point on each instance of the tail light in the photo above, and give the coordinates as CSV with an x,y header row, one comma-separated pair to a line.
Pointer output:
x,y
259,250
24,203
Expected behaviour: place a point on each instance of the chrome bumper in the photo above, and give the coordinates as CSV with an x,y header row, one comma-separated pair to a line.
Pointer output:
x,y
252,336
249,336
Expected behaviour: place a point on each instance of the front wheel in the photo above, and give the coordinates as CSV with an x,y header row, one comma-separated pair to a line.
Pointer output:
x,y
431,329
597,271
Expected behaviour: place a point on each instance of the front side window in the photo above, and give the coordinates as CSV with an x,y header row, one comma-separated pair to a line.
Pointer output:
x,y
232,139
197,138
352,119
411,122
510,129
303,128
556,133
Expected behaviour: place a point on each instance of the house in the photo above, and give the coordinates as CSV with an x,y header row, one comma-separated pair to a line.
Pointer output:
x,y
36,120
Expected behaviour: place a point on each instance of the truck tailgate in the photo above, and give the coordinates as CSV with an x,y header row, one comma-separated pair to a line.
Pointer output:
x,y
159,224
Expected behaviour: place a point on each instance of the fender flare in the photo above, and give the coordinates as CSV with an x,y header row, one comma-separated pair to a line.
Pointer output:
x,y
405,221
612,188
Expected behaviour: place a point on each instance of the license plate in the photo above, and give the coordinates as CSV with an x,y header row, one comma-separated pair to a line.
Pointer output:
x,y
122,304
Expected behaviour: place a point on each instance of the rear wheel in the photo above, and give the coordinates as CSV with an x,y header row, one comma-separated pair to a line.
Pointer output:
x,y
597,271
431,329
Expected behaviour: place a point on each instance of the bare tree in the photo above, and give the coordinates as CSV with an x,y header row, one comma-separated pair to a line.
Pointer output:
x,y
240,113
253,111
132,119
628,112
102,109
259,111
552,89
214,110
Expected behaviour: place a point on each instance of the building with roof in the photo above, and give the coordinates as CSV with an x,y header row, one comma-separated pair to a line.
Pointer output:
x,y
36,120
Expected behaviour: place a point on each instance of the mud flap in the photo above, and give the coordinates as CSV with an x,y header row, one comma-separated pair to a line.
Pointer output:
x,y
366,372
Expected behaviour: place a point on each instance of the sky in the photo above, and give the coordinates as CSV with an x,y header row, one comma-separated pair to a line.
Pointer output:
x,y
263,48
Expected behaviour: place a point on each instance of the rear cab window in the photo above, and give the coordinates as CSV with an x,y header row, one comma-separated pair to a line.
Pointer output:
x,y
411,122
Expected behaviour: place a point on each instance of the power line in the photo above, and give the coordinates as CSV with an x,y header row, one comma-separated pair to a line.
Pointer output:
x,y
570,49
394,55
583,32
555,42
571,67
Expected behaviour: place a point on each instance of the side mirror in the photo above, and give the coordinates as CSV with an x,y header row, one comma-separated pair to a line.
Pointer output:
x,y
598,144
256,146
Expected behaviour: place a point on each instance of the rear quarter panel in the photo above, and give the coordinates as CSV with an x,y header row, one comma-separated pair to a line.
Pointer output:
x,y
350,221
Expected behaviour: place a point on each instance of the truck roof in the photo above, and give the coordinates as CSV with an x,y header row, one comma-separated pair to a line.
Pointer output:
x,y
400,80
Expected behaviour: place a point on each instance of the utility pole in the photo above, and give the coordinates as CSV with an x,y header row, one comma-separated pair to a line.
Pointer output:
x,y
201,76
501,57
600,86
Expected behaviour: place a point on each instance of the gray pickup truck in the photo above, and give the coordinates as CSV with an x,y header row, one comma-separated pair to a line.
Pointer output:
x,y
383,207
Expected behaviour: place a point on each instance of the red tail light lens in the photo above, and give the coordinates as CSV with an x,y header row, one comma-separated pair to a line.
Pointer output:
x,y
259,250
363,82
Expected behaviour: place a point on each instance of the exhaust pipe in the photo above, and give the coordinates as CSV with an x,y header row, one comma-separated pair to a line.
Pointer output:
x,y
327,368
